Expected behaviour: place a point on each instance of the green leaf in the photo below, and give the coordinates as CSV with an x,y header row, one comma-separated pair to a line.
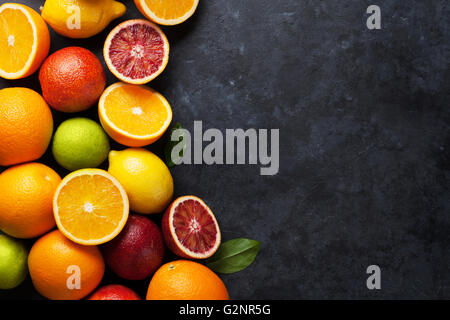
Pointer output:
x,y
171,144
234,255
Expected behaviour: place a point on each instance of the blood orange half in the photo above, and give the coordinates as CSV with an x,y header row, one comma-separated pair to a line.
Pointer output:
x,y
191,229
136,51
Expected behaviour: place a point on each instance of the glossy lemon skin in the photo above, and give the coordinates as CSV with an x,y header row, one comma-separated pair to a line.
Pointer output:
x,y
81,18
145,177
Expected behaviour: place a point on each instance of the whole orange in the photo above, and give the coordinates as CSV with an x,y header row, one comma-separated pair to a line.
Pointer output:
x,y
26,126
63,270
26,195
186,280
72,79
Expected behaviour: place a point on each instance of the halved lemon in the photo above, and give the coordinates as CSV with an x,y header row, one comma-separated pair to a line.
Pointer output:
x,y
24,41
167,12
90,206
134,115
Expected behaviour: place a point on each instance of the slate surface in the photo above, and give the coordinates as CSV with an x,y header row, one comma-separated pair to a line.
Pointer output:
x,y
364,141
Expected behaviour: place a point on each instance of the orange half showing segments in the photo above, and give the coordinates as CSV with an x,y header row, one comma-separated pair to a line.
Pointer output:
x,y
24,41
90,206
167,12
134,115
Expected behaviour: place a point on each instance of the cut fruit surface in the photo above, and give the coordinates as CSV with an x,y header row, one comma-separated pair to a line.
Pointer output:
x,y
134,115
136,51
191,229
24,41
90,206
167,12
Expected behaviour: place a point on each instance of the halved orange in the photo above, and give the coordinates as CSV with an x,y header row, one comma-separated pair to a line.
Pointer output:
x,y
24,41
167,12
90,206
190,228
134,115
136,51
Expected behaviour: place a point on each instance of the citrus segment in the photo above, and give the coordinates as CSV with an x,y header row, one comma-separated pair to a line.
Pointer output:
x,y
24,41
168,12
12,40
134,115
136,51
90,206
190,228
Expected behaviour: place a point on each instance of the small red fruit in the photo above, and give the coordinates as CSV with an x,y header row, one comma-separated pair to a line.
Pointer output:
x,y
114,292
72,79
138,251
191,229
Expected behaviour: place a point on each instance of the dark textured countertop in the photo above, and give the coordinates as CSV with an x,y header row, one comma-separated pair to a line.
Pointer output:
x,y
364,141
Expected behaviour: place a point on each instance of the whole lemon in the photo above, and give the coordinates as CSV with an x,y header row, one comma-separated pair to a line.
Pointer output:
x,y
81,18
13,262
80,143
145,177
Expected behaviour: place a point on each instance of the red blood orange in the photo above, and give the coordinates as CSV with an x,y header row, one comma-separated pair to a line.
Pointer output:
x,y
114,292
72,79
138,251
191,229
136,51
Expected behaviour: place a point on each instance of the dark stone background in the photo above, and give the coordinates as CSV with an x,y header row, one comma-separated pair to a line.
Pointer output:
x,y
364,141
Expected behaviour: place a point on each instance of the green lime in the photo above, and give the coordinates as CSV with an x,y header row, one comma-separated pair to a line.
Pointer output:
x,y
13,262
80,143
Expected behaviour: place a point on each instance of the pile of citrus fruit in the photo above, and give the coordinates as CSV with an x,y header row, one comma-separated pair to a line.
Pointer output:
x,y
81,223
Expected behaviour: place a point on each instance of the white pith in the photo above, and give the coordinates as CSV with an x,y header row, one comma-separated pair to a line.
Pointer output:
x,y
137,111
88,207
